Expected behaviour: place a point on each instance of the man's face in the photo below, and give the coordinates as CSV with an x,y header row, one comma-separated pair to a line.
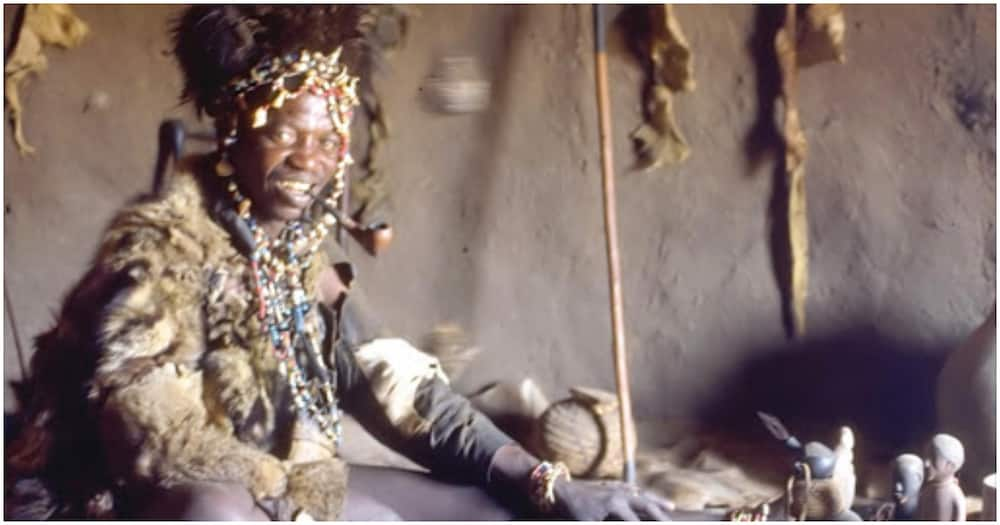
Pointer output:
x,y
281,165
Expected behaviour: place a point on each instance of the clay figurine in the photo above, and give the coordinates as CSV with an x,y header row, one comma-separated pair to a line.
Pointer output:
x,y
907,472
941,499
822,483
843,469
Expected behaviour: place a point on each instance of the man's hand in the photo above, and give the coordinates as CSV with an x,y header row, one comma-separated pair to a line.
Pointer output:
x,y
608,500
579,500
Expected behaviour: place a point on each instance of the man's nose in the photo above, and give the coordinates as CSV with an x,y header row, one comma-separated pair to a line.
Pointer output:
x,y
305,156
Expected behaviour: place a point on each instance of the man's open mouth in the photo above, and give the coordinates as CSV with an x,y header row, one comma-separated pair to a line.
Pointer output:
x,y
293,186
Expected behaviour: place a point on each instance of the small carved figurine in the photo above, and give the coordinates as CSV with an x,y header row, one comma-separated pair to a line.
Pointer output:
x,y
907,477
843,469
822,484
941,499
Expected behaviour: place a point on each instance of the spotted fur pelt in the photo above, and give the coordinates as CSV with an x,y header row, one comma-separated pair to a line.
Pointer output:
x,y
155,372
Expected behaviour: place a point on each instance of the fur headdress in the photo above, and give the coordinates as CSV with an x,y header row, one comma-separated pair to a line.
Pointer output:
x,y
215,44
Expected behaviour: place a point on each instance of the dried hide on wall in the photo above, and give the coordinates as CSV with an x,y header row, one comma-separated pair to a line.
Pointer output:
x,y
818,38
49,24
662,46
821,35
386,28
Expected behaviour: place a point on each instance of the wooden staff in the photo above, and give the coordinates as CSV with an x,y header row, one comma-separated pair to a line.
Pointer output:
x,y
345,209
9,310
611,235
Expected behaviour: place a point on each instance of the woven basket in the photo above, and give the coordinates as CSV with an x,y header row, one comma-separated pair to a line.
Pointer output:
x,y
583,432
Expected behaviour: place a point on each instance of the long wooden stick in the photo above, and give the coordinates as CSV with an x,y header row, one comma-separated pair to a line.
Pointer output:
x,y
611,235
345,208
9,310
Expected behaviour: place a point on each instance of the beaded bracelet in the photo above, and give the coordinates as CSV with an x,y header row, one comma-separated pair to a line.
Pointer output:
x,y
759,513
543,482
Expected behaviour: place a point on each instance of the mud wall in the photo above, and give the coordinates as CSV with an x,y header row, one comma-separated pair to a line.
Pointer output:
x,y
498,214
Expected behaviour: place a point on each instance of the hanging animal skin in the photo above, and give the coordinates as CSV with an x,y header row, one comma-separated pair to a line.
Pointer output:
x,y
821,35
386,30
44,25
668,56
819,38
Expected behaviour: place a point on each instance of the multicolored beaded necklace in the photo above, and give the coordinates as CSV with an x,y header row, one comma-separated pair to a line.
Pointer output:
x,y
286,311
288,316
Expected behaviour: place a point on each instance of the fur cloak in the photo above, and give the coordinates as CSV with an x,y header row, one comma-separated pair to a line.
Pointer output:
x,y
156,373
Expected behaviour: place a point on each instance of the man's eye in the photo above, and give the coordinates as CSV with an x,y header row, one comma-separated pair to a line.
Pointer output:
x,y
330,143
283,136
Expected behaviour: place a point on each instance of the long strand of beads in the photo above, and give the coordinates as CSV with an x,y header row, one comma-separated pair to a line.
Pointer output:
x,y
287,320
278,266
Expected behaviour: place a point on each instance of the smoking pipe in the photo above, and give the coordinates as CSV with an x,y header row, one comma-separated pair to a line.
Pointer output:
x,y
374,237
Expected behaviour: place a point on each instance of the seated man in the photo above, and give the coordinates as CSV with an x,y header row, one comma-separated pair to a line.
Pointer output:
x,y
199,368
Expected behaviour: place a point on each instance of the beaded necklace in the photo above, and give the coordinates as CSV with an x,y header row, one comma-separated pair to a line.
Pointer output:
x,y
287,313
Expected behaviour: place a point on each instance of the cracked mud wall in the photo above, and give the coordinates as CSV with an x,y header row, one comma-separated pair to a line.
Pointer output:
x,y
498,214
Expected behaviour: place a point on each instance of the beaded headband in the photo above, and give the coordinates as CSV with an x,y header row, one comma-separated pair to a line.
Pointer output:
x,y
272,82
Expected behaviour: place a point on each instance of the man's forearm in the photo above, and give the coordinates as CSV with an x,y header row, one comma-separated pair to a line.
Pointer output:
x,y
510,470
